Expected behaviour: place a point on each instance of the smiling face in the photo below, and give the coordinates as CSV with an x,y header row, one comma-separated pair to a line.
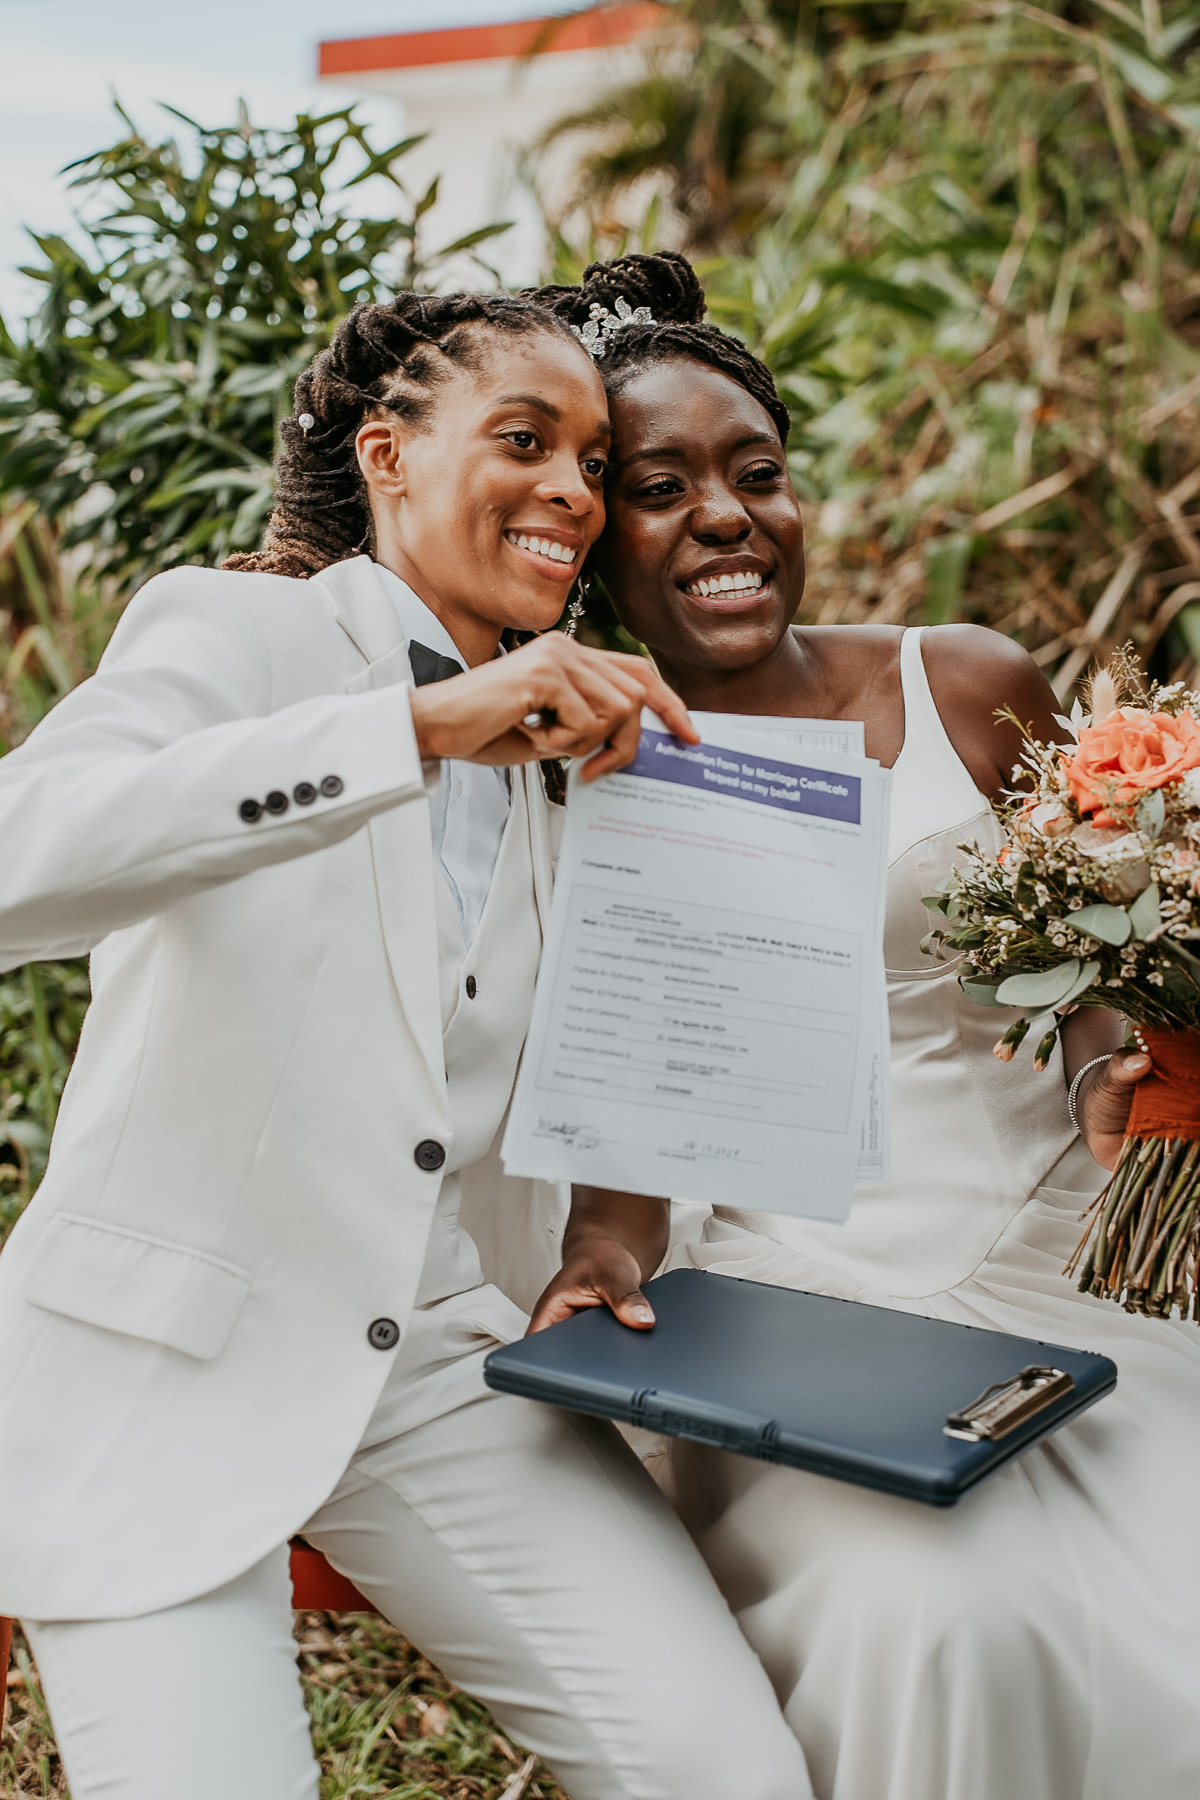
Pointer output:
x,y
489,505
704,550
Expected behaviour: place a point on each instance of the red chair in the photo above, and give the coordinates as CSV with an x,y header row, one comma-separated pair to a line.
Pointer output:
x,y
315,1588
318,1588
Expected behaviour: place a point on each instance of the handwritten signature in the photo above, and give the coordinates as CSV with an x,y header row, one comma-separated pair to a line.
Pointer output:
x,y
578,1137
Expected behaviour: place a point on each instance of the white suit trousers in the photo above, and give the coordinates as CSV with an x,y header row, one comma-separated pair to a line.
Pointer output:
x,y
527,1553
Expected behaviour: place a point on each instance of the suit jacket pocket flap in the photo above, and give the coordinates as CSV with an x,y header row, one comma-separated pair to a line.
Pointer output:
x,y
124,1281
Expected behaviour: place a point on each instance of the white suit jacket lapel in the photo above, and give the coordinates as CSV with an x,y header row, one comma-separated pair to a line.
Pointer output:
x,y
401,844
361,607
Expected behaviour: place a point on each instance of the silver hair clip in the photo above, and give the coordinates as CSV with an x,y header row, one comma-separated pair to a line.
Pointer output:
x,y
603,325
306,423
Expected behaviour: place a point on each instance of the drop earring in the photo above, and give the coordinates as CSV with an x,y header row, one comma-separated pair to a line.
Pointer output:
x,y
575,611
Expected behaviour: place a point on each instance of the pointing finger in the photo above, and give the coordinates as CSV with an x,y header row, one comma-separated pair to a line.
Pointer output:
x,y
655,694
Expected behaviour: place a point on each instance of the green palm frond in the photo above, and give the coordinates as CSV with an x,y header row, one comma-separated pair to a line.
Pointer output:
x,y
207,269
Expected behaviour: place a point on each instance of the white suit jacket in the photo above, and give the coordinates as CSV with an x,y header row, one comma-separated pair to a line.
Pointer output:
x,y
197,1310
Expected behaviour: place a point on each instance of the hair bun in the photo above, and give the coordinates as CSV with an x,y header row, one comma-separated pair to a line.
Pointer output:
x,y
665,282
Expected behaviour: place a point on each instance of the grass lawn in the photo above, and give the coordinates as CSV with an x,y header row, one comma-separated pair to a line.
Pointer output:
x,y
385,1724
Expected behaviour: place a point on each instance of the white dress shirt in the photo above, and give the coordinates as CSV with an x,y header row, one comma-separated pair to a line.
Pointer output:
x,y
469,808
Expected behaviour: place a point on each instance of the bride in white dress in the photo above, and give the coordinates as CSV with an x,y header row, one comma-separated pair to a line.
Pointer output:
x,y
1041,1640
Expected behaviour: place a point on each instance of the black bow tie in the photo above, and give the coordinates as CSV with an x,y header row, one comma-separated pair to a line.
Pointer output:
x,y
428,665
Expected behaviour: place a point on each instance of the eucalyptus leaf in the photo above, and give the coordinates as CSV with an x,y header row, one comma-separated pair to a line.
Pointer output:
x,y
982,992
1046,988
1144,916
1111,924
1082,982
1151,813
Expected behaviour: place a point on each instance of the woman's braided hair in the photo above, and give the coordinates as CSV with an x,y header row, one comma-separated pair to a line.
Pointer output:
x,y
667,286
383,358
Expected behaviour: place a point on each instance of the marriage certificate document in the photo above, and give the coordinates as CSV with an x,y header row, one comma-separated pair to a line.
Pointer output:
x,y
707,1017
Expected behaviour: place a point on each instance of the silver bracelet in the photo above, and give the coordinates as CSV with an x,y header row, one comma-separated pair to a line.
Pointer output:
x,y
1073,1092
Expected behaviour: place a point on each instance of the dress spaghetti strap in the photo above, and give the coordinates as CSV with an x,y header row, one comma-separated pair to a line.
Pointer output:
x,y
932,789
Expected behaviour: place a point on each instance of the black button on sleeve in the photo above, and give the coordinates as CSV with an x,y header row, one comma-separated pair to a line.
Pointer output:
x,y
332,786
429,1155
276,801
383,1334
472,987
249,810
304,793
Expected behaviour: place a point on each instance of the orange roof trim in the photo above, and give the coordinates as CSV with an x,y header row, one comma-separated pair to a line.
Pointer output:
x,y
594,30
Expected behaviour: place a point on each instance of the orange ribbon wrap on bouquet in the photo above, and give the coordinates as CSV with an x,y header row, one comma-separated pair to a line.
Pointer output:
x,y
1166,1102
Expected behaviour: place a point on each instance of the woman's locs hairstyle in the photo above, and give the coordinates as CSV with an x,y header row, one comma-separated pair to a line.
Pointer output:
x,y
637,311
393,358
390,358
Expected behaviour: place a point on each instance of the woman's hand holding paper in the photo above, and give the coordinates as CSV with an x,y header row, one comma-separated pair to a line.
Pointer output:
x,y
590,701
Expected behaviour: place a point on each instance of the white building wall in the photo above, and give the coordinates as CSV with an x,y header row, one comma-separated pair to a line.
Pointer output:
x,y
483,118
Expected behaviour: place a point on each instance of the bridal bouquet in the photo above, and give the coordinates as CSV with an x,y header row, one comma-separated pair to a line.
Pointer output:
x,y
1094,900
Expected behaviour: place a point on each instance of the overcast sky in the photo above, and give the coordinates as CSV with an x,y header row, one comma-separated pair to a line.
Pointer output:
x,y
61,61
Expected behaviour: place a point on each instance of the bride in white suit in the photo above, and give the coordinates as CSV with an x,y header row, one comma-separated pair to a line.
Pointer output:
x,y
243,1303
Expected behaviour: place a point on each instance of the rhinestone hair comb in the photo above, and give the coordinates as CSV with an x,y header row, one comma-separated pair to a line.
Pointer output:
x,y
603,325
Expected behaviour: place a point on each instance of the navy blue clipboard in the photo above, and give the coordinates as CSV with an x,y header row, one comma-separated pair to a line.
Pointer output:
x,y
889,1400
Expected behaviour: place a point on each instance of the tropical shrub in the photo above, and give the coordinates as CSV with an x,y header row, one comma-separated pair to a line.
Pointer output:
x,y
965,234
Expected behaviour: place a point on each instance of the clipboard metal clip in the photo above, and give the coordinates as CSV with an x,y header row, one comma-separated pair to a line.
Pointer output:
x,y
1007,1404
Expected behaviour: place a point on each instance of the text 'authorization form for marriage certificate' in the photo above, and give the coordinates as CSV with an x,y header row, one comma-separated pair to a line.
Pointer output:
x,y
707,1013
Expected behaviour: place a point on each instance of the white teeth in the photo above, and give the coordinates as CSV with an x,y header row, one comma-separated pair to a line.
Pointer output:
x,y
745,581
548,547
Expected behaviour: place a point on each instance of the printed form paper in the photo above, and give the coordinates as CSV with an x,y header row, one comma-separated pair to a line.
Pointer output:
x,y
707,1014
788,738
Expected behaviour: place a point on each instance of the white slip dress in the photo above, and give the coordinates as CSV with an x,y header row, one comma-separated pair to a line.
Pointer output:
x,y
1040,1640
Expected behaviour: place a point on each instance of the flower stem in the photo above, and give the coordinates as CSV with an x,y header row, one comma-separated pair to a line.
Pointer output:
x,y
1142,1235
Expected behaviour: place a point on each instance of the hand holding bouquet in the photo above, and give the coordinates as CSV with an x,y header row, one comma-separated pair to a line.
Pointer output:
x,y
1094,900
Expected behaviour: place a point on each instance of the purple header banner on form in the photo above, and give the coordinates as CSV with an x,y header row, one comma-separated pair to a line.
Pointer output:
x,y
744,775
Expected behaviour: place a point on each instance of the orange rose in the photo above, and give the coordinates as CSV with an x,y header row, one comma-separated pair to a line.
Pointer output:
x,y
1128,753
